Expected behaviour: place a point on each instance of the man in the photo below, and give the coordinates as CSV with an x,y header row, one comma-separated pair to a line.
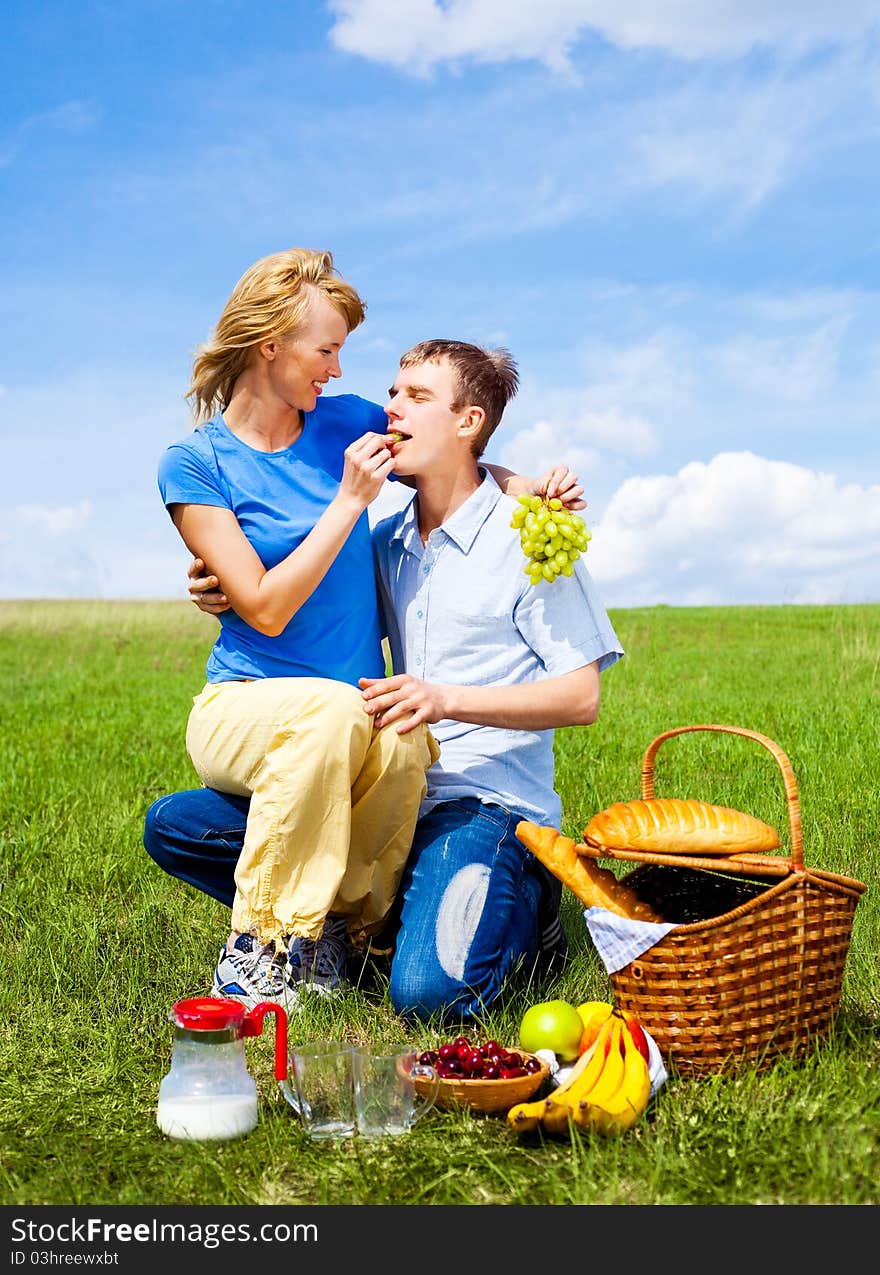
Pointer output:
x,y
493,663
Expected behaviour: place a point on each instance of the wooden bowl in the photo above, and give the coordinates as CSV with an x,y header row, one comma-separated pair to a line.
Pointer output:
x,y
488,1095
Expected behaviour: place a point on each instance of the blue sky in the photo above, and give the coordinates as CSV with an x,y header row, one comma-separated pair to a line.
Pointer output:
x,y
670,219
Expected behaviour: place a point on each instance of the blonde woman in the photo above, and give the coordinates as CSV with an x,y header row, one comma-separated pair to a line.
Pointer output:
x,y
274,484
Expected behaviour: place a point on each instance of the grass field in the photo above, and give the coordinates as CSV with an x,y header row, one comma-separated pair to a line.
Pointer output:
x,y
98,942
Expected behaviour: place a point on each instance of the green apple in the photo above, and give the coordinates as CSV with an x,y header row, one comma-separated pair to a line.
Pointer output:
x,y
552,1025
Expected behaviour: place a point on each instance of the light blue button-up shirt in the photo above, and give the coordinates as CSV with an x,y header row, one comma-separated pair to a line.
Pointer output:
x,y
460,611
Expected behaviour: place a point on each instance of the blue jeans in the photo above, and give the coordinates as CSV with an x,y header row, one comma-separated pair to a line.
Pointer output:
x,y
197,837
470,901
475,907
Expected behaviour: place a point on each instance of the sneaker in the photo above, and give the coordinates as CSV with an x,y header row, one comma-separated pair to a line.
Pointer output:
x,y
249,972
319,965
369,965
552,942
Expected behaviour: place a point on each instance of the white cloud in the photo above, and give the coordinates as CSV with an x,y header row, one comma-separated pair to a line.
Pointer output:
x,y
739,530
535,450
110,550
55,520
656,373
799,368
613,430
734,131
587,442
71,117
416,35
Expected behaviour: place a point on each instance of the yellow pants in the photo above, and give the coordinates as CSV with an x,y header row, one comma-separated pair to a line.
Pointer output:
x,y
334,801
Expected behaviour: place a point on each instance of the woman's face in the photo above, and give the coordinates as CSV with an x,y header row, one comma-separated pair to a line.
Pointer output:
x,y
303,364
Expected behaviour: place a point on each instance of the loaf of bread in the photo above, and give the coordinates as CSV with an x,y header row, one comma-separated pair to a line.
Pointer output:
x,y
594,886
668,825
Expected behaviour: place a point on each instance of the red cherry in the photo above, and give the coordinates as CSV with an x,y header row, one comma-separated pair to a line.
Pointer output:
x,y
461,1041
532,1065
513,1059
428,1057
492,1072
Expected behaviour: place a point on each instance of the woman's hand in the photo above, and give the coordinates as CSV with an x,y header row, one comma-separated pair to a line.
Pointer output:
x,y
204,590
559,481
268,600
563,483
368,462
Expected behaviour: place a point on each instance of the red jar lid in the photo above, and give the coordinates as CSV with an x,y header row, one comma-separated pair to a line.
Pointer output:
x,y
208,1013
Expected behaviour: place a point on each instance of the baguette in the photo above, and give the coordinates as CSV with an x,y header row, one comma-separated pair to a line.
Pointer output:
x,y
594,886
673,826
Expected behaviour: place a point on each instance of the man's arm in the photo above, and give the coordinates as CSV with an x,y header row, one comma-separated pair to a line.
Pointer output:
x,y
569,700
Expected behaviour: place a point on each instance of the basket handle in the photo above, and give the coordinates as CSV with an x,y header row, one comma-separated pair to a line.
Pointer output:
x,y
791,792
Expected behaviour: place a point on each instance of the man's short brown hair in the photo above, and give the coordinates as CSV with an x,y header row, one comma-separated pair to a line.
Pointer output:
x,y
484,378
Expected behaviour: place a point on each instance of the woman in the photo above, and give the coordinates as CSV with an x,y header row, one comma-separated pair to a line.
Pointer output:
x,y
274,486
271,493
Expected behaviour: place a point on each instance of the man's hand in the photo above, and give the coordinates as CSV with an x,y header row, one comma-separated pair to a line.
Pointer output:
x,y
389,699
205,591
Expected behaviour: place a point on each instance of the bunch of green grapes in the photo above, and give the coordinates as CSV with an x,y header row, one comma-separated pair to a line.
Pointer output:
x,y
552,537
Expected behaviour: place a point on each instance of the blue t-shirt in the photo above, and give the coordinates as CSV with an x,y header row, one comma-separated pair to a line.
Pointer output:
x,y
277,498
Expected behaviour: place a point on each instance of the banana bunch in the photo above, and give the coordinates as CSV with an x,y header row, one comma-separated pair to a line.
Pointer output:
x,y
606,1091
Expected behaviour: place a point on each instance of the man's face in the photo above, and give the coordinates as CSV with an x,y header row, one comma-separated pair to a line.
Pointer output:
x,y
420,408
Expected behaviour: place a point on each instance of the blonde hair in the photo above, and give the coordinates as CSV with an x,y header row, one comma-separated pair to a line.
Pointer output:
x,y
269,302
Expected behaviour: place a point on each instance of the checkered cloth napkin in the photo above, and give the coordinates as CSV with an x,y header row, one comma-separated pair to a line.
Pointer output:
x,y
619,940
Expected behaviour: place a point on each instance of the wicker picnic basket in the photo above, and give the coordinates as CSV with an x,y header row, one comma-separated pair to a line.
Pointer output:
x,y
756,970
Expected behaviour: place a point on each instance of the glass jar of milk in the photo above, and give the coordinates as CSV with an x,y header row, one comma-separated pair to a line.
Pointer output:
x,y
208,1093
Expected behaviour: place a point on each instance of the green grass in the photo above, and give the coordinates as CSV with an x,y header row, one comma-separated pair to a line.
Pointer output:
x,y
98,942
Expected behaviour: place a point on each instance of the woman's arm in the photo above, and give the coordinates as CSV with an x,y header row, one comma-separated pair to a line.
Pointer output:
x,y
559,481
267,600
203,582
